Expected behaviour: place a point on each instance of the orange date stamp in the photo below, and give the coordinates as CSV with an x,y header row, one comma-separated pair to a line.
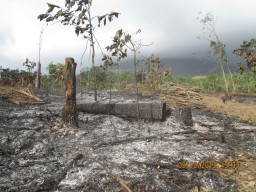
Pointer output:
x,y
209,165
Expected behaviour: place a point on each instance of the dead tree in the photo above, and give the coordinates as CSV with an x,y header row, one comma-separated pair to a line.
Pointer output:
x,y
69,110
38,76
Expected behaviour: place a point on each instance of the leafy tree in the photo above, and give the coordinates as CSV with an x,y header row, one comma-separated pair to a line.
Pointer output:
x,y
55,73
100,76
247,51
153,70
77,13
210,34
15,77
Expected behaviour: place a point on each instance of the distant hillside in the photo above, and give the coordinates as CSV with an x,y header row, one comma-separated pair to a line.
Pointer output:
x,y
184,67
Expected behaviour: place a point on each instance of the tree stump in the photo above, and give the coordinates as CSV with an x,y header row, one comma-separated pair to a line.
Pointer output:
x,y
184,115
70,114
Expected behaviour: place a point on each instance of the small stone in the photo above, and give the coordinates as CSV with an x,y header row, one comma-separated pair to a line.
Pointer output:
x,y
225,97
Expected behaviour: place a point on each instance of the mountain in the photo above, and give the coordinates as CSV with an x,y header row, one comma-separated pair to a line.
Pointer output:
x,y
183,66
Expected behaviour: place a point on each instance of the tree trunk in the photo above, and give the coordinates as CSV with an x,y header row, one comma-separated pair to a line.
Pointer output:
x,y
136,83
248,81
38,77
143,73
69,110
254,81
93,57
231,76
88,86
223,73
118,73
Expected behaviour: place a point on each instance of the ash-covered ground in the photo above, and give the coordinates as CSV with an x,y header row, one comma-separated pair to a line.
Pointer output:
x,y
108,153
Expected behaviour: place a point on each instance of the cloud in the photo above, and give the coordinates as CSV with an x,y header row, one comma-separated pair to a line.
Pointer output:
x,y
170,24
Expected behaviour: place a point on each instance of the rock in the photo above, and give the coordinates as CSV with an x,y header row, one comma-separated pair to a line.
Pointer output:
x,y
226,97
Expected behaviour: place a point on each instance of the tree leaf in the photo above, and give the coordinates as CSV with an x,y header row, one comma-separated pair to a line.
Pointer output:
x,y
124,54
138,31
77,30
73,21
110,18
114,53
115,14
51,7
127,38
119,33
67,3
72,3
82,30
105,21
104,57
59,12
78,22
42,16
79,8
85,2
49,19
100,18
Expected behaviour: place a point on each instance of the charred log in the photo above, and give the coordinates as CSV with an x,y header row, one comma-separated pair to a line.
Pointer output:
x,y
150,110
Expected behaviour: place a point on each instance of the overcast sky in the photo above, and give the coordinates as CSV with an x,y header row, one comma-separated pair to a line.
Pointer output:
x,y
170,24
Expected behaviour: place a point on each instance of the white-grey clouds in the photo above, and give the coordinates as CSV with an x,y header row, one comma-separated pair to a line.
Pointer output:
x,y
170,24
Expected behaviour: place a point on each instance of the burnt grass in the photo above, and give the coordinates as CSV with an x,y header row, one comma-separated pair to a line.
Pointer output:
x,y
107,153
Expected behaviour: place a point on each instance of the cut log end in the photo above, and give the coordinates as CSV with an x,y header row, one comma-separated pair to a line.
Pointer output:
x,y
184,115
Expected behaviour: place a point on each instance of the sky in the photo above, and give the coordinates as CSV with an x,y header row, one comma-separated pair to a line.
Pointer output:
x,y
170,25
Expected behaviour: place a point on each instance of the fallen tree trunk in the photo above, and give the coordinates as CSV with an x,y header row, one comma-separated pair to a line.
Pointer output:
x,y
147,110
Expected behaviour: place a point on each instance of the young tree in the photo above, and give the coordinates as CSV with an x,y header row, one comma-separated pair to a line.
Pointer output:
x,y
117,51
29,64
141,76
210,34
134,46
125,39
247,51
77,13
121,40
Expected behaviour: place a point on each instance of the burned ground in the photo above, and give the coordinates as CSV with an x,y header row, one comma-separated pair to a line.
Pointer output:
x,y
108,153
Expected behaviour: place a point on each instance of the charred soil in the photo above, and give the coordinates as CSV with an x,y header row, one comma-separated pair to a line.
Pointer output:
x,y
109,153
